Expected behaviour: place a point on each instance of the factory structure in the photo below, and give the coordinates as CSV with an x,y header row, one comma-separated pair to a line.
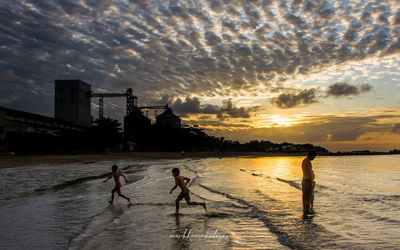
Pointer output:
x,y
73,100
72,112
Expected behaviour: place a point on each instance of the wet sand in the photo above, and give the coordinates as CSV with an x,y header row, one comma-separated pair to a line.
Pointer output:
x,y
253,203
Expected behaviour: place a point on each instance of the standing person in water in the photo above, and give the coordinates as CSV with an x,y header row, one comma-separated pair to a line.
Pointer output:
x,y
308,183
180,181
116,174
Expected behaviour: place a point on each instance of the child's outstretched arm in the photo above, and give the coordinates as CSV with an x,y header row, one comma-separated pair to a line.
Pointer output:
x,y
108,178
123,176
176,185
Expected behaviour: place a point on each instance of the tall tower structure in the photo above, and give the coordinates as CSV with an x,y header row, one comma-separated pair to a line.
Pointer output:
x,y
72,102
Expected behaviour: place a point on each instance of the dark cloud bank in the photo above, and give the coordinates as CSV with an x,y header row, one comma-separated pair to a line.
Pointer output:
x,y
340,89
193,106
309,96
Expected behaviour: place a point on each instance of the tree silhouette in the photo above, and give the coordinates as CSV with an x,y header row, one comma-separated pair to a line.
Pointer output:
x,y
105,134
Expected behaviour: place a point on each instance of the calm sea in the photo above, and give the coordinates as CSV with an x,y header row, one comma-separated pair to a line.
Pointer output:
x,y
253,203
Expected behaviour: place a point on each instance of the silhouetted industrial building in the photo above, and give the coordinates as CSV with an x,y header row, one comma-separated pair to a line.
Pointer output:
x,y
72,102
168,120
135,124
15,123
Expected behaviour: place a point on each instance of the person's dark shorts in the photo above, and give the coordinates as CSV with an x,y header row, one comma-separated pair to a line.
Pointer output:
x,y
307,188
184,194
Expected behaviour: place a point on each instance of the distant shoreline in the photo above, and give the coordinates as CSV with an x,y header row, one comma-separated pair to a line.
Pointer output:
x,y
10,161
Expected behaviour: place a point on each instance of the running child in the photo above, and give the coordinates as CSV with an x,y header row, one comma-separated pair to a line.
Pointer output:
x,y
116,174
180,181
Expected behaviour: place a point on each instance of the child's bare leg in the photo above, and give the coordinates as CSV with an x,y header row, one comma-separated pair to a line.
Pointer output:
x,y
112,196
306,207
312,204
312,197
177,206
193,203
123,196
204,206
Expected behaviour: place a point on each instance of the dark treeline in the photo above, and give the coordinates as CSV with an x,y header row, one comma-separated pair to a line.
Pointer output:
x,y
106,135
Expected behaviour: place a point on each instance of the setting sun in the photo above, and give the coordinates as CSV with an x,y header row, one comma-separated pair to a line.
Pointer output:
x,y
268,121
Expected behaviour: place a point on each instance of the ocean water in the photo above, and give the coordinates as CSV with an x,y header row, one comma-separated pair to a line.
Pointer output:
x,y
253,203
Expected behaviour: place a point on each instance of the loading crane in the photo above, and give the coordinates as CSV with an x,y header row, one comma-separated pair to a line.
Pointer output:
x,y
155,108
131,102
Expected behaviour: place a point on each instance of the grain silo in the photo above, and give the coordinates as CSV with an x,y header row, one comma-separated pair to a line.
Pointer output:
x,y
168,120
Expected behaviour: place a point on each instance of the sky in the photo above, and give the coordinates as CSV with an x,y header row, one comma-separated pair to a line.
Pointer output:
x,y
322,72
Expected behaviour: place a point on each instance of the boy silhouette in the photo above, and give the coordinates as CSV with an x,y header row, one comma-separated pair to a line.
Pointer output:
x,y
180,181
116,174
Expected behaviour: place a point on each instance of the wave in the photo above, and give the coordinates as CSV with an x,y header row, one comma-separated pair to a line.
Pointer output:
x,y
298,185
216,203
157,204
247,170
385,219
136,167
88,162
372,216
71,183
291,183
94,226
380,198
212,204
83,180
260,215
56,187
292,231
254,173
190,169
264,195
220,215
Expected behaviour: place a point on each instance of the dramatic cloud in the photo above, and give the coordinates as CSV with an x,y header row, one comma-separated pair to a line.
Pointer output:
x,y
327,129
185,48
221,60
340,89
290,100
193,106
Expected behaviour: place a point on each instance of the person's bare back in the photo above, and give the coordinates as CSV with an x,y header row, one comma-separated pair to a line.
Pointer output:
x,y
180,181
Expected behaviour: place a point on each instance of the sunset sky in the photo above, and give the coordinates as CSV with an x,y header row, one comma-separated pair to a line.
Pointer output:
x,y
322,72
